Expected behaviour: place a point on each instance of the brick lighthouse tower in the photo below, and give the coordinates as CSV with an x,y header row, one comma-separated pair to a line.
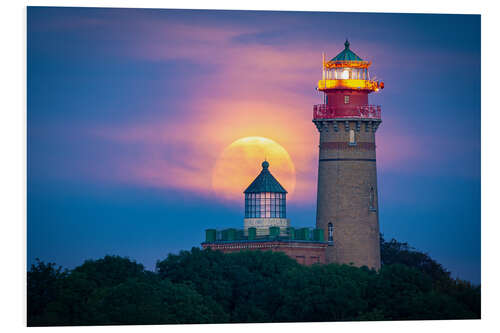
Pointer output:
x,y
347,203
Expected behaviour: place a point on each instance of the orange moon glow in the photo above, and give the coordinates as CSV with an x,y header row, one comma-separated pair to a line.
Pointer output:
x,y
241,162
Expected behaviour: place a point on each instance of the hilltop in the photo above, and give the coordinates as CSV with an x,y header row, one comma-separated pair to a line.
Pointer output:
x,y
205,286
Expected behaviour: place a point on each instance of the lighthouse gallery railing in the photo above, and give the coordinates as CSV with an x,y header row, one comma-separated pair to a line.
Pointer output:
x,y
325,111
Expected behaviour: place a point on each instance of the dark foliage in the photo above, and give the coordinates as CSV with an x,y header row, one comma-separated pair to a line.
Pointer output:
x,y
43,286
204,286
394,252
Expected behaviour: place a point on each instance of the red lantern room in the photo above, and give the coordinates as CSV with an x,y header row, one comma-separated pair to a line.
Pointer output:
x,y
346,83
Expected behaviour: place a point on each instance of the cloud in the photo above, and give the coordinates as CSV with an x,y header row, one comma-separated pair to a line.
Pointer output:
x,y
253,92
244,87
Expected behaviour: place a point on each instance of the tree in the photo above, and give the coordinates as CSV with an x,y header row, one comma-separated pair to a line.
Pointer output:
x,y
394,252
466,294
325,293
110,270
244,284
43,286
139,302
205,286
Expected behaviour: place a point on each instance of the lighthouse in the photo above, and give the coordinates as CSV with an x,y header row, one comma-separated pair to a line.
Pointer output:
x,y
347,197
265,204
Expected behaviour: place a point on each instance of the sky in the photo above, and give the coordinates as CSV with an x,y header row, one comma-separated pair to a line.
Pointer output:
x,y
129,111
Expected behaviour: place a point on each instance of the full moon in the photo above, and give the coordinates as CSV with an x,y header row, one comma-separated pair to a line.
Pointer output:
x,y
241,162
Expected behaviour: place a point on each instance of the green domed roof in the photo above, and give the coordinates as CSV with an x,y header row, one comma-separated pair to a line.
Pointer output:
x,y
347,54
265,182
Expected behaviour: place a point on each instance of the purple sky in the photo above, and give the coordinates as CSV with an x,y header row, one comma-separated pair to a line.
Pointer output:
x,y
129,109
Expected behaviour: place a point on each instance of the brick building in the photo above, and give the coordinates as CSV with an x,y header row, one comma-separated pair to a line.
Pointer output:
x,y
266,227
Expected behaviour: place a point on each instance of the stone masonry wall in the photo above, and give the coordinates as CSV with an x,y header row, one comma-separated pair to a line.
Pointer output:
x,y
305,253
262,224
347,192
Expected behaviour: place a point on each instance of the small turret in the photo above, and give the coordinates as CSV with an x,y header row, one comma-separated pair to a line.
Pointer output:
x,y
265,203
265,197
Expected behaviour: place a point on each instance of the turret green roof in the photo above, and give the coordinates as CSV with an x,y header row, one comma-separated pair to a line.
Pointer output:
x,y
265,182
347,54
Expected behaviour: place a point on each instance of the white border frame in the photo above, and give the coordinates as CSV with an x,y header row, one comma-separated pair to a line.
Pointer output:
x,y
13,147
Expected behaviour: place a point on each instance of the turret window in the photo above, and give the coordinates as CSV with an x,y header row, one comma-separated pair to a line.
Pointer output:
x,y
345,74
355,74
265,204
352,137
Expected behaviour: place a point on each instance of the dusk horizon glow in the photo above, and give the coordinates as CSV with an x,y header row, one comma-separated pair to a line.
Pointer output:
x,y
129,111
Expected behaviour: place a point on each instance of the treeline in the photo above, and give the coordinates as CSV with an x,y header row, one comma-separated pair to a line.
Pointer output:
x,y
204,286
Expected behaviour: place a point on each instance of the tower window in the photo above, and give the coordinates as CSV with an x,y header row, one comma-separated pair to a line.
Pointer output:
x,y
346,99
372,199
352,137
330,233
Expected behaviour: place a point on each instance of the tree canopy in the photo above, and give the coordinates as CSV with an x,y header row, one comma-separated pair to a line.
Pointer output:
x,y
205,286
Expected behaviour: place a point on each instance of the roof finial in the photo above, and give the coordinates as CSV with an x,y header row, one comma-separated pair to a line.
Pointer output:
x,y
265,165
346,44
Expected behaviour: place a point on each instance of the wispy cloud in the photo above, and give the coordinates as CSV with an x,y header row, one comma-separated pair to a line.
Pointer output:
x,y
255,90
241,85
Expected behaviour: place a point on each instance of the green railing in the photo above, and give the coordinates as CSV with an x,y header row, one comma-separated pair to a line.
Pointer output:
x,y
291,234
